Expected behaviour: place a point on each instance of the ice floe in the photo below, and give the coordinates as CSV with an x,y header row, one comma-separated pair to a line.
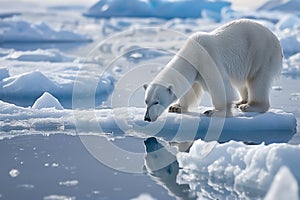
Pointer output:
x,y
251,127
236,169
24,89
13,31
281,5
39,55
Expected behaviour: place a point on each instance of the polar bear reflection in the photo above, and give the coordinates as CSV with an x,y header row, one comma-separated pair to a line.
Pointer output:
x,y
163,167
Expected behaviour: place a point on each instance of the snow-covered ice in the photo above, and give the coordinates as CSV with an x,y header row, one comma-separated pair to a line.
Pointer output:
x,y
24,89
284,186
237,169
254,128
281,5
24,31
292,67
39,55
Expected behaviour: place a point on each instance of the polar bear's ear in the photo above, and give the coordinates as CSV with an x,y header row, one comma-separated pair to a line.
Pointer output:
x,y
145,86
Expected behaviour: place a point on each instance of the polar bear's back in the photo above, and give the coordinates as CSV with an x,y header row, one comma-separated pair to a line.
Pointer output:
x,y
243,47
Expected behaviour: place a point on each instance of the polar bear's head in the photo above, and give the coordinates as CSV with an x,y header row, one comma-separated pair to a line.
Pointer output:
x,y
157,99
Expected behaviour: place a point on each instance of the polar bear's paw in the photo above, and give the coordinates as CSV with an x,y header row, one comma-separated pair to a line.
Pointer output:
x,y
209,113
218,113
176,108
245,107
242,102
254,107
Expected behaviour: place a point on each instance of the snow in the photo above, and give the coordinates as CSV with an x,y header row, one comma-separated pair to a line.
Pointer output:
x,y
144,196
39,55
246,171
27,87
123,121
292,67
166,9
13,31
284,186
47,101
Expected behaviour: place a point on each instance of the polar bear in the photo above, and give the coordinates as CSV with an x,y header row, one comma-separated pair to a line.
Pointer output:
x,y
242,55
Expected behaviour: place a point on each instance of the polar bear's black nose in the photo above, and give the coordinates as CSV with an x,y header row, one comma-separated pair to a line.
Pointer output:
x,y
147,119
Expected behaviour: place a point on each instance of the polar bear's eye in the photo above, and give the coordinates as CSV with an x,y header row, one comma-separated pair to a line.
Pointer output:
x,y
155,103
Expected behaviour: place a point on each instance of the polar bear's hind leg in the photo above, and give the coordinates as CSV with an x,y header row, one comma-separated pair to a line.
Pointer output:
x,y
243,91
258,91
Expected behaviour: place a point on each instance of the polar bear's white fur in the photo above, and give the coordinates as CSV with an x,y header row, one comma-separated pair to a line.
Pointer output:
x,y
241,55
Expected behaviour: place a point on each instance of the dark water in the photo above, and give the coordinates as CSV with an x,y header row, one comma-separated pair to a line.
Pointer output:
x,y
39,167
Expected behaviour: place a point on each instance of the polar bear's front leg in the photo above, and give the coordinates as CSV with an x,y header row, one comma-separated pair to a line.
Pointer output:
x,y
190,99
222,101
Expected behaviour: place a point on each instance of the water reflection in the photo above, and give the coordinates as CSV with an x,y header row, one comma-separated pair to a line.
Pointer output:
x,y
164,174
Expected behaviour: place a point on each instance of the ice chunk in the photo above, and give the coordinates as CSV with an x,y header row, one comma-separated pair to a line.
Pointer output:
x,y
71,183
27,84
290,44
292,67
47,101
22,31
14,173
288,21
58,197
25,88
284,186
144,196
246,170
281,5
50,55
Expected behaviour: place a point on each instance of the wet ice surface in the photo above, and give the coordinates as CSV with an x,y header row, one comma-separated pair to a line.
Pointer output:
x,y
46,159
